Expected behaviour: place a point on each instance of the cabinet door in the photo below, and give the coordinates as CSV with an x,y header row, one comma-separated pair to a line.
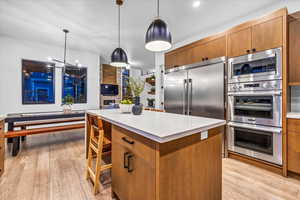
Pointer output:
x,y
239,42
267,35
215,48
142,178
184,57
121,182
109,74
170,60
293,145
198,53
294,58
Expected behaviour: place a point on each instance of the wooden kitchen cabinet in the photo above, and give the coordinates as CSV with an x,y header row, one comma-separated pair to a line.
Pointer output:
x,y
186,168
170,60
294,44
140,182
239,43
196,53
109,74
267,35
293,145
2,147
258,37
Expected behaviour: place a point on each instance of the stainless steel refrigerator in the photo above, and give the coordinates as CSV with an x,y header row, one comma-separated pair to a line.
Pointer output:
x,y
196,89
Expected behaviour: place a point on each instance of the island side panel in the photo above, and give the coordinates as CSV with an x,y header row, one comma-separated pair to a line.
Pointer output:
x,y
191,168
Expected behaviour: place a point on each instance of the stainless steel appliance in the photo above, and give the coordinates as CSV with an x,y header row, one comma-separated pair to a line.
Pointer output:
x,y
261,142
265,65
256,103
196,89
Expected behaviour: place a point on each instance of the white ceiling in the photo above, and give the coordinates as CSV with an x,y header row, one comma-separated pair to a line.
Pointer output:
x,y
93,23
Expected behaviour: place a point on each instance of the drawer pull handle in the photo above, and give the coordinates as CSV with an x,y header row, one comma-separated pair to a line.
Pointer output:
x,y
126,140
126,160
130,167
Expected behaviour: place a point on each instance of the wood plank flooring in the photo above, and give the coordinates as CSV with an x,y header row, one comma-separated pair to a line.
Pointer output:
x,y
52,166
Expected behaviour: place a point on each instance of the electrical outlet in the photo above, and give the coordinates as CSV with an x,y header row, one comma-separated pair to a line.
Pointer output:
x,y
204,135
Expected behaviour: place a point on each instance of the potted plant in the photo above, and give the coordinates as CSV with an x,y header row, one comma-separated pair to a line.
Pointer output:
x,y
137,86
125,106
67,103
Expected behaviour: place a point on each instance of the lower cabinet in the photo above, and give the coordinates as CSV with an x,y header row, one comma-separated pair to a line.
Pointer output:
x,y
2,147
184,169
294,145
133,173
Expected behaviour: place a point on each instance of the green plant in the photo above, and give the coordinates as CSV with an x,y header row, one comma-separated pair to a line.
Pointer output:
x,y
68,100
126,101
137,86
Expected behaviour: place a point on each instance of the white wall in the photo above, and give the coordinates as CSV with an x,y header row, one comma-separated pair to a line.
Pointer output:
x,y
12,51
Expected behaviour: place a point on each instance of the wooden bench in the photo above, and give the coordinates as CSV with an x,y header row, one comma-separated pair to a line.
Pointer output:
x,y
16,134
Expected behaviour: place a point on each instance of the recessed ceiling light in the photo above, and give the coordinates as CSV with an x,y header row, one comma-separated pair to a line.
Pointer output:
x,y
196,4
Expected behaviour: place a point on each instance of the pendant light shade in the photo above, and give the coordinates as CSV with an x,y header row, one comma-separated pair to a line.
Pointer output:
x,y
158,37
119,58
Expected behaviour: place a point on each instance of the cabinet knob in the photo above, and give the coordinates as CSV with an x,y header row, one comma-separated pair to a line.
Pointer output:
x,y
248,51
128,141
206,58
253,50
203,59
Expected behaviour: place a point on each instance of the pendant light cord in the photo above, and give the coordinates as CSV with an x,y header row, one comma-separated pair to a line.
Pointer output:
x,y
157,8
119,29
65,50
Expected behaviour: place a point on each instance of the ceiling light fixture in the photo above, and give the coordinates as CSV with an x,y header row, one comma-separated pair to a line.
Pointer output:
x,y
63,64
118,56
196,4
158,37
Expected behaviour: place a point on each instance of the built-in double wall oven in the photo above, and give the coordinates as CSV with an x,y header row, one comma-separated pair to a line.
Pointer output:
x,y
255,105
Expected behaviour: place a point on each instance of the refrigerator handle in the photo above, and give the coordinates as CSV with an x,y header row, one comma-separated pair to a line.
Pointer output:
x,y
190,97
184,96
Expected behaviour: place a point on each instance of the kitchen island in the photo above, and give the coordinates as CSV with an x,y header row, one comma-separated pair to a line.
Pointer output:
x,y
164,156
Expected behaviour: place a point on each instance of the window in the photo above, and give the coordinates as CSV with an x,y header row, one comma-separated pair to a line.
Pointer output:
x,y
75,84
37,82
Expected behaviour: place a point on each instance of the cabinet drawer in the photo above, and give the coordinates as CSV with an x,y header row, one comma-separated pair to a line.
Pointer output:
x,y
139,145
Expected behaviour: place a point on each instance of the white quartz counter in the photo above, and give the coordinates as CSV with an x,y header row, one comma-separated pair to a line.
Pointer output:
x,y
158,126
293,115
2,117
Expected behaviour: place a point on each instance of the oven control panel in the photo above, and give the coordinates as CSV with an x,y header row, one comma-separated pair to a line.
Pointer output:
x,y
255,86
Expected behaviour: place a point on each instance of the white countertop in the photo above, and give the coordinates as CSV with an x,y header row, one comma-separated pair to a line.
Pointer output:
x,y
158,126
2,117
293,115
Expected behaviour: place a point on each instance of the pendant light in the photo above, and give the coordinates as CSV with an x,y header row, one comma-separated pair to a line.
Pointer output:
x,y
158,37
118,56
63,63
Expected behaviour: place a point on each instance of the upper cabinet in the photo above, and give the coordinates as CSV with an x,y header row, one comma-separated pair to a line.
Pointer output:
x,y
109,74
196,53
267,35
259,37
239,43
294,44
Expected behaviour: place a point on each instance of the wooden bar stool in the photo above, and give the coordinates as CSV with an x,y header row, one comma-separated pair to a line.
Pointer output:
x,y
98,142
155,110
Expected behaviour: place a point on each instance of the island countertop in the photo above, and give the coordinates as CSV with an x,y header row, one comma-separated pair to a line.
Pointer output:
x,y
158,126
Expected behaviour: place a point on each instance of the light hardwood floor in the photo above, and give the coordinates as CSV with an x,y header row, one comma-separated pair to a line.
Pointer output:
x,y
52,166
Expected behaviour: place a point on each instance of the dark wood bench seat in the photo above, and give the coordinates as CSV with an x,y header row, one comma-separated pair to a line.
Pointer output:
x,y
25,132
44,122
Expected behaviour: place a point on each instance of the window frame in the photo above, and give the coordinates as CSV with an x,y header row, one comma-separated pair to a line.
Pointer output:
x,y
23,81
63,83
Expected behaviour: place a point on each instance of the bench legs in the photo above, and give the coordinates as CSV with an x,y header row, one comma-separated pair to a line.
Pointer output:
x,y
16,146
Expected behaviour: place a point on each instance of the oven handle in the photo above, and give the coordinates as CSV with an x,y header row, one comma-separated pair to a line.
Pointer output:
x,y
273,93
256,127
